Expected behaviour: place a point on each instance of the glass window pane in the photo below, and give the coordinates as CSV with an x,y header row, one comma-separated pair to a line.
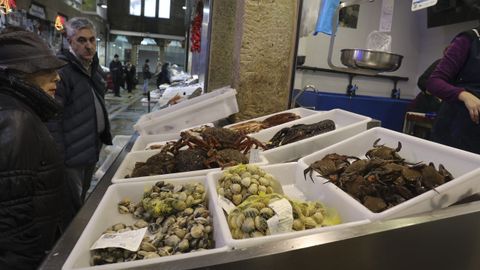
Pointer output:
x,y
136,7
150,8
164,9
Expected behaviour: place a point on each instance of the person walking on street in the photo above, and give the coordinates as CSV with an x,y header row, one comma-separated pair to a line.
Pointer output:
x,y
146,76
84,125
33,194
130,74
116,70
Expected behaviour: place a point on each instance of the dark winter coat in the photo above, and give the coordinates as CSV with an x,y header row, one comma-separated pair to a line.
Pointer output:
x,y
76,132
116,70
32,192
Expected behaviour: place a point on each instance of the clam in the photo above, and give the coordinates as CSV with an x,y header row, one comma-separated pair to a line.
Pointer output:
x,y
197,231
172,240
141,224
248,225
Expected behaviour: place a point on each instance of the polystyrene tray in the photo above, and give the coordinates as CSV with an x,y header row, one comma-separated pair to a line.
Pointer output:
x,y
347,124
141,156
208,107
464,166
144,140
302,112
107,215
295,187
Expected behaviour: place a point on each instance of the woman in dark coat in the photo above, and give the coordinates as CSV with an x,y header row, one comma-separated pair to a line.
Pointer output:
x,y
32,195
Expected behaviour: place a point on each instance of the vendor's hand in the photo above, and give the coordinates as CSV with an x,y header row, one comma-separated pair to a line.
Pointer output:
x,y
472,103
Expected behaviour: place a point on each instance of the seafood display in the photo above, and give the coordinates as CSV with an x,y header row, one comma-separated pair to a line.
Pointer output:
x,y
177,219
383,179
299,132
255,126
252,190
240,182
250,218
203,148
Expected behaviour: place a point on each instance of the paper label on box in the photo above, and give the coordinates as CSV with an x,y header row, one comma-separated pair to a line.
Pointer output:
x,y
282,221
129,240
226,204
254,156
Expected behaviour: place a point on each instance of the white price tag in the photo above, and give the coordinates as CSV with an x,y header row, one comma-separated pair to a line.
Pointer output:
x,y
282,221
129,240
226,204
421,4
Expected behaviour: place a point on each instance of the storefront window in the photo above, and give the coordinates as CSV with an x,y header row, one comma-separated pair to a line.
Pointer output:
x,y
150,8
136,7
164,9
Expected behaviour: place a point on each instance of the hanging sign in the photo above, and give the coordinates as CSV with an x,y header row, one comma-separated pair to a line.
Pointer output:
x,y
387,16
421,4
60,22
37,11
6,6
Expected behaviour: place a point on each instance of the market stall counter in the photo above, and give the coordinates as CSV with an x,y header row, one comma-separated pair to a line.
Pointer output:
x,y
442,239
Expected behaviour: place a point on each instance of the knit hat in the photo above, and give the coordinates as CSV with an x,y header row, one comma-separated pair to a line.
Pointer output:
x,y
26,52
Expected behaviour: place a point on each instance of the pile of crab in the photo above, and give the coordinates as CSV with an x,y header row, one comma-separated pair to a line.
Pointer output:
x,y
255,126
382,180
299,132
198,149
177,219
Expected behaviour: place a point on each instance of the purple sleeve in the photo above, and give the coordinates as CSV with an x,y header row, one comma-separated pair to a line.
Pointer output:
x,y
447,70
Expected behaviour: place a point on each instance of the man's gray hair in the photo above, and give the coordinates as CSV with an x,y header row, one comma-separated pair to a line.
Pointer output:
x,y
77,23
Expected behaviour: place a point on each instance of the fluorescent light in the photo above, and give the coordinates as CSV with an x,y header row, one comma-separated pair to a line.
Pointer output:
x,y
103,6
184,7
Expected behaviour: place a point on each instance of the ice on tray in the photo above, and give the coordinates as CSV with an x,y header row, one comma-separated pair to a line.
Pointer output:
x,y
107,214
295,187
464,166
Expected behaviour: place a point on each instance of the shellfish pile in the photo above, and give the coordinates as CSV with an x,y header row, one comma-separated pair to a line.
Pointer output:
x,y
177,219
252,190
250,218
239,182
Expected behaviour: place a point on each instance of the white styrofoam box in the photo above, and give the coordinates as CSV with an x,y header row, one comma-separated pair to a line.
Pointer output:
x,y
142,143
107,215
128,164
464,166
205,108
294,186
347,124
302,112
121,140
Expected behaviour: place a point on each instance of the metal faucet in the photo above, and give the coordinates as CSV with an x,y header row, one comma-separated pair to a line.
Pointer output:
x,y
308,87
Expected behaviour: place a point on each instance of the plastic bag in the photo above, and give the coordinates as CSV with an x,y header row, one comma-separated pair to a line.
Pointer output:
x,y
326,14
379,41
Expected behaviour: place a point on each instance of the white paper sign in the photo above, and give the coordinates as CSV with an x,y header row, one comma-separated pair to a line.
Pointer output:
x,y
129,240
386,17
282,221
421,4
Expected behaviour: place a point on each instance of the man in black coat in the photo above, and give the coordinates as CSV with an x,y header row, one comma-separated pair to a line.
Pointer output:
x,y
84,125
33,201
116,70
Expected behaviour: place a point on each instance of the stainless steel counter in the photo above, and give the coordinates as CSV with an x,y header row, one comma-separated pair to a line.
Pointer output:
x,y
443,239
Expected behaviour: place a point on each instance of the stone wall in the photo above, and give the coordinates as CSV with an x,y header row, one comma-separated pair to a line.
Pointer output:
x,y
263,55
221,44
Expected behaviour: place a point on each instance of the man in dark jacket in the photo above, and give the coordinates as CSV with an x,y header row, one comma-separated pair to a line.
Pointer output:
x,y
116,70
84,125
32,190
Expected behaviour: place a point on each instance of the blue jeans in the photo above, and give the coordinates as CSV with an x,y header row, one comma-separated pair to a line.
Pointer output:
x,y
145,85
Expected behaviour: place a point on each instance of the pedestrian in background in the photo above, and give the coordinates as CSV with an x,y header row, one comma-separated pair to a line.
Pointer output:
x,y
146,76
84,125
116,70
32,186
130,74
